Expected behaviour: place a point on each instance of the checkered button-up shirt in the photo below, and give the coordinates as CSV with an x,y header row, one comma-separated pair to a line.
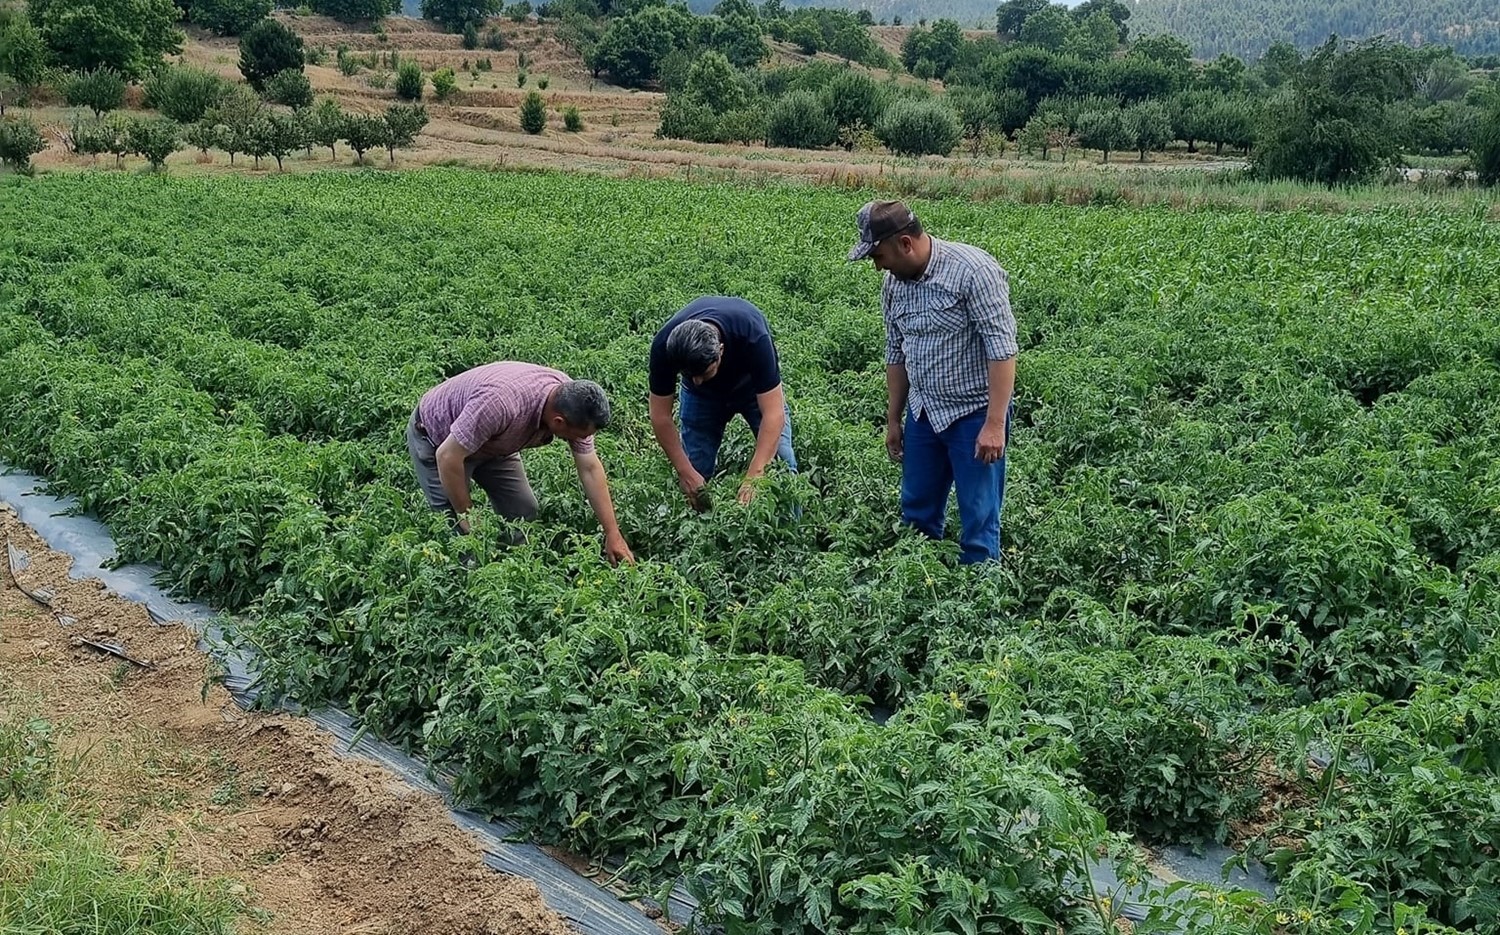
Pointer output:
x,y
946,327
494,410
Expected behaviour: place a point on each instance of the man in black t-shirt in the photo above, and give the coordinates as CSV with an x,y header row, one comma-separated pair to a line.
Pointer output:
x,y
722,350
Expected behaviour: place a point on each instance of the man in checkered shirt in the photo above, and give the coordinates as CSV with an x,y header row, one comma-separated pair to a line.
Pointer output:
x,y
473,427
950,371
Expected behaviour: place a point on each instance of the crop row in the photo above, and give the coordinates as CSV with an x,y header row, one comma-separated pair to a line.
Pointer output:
x,y
1254,472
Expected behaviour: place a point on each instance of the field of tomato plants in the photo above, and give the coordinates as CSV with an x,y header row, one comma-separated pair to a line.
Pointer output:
x,y
1253,534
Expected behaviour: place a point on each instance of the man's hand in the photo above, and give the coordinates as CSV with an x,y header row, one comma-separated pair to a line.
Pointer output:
x,y
747,492
616,551
895,440
692,484
990,446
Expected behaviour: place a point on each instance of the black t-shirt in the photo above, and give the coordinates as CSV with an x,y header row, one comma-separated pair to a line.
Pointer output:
x,y
749,364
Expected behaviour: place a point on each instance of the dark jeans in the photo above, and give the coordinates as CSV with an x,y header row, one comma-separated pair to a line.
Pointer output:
x,y
934,463
703,420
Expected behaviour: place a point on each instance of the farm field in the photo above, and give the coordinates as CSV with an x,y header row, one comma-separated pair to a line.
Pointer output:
x,y
1252,581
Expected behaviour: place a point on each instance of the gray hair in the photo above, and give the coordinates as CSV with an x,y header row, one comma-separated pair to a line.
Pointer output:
x,y
693,346
583,404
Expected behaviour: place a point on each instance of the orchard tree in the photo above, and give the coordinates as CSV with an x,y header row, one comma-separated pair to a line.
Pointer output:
x,y
22,52
155,138
402,124
100,90
228,17
353,11
1103,130
458,15
129,36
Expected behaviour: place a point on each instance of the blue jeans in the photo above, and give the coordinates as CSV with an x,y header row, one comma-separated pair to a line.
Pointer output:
x,y
935,462
703,421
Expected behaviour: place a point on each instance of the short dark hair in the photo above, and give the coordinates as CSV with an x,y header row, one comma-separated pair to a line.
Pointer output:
x,y
583,404
693,346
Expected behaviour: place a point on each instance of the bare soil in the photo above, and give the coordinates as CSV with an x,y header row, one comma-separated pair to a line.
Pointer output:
x,y
312,842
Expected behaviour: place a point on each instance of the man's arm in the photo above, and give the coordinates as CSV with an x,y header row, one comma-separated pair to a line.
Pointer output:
x,y
990,446
596,488
897,383
989,309
667,436
897,389
455,480
772,422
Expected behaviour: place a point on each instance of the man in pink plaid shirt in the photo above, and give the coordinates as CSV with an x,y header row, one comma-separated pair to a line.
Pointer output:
x,y
473,427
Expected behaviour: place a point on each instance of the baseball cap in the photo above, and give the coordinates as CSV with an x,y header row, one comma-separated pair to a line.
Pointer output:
x,y
877,221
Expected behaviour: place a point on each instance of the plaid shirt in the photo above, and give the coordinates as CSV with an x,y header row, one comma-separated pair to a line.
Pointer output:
x,y
494,410
946,327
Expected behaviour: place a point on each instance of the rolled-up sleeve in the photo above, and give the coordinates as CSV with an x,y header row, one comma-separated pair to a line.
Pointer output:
x,y
895,353
989,309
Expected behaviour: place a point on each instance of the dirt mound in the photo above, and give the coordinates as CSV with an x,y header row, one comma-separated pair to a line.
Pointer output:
x,y
317,844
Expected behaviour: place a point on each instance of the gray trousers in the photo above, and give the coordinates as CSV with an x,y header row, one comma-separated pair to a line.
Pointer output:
x,y
502,479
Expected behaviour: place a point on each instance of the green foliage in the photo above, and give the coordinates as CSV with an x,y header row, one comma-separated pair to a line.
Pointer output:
x,y
737,37
402,124
325,125
290,88
23,55
100,90
409,80
154,138
364,132
461,15
714,82
1486,153
1051,29
572,119
128,36
354,11
938,46
686,118
632,48
1272,495
227,17
1331,126
1246,27
800,120
238,113
1148,125
1013,14
275,135
1104,130
807,37
184,93
202,136
444,84
267,49
1045,131
746,126
919,128
19,141
854,98
533,113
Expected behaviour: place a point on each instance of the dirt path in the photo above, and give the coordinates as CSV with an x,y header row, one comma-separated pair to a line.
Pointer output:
x,y
316,844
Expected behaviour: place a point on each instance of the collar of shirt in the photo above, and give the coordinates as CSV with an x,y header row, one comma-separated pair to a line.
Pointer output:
x,y
934,260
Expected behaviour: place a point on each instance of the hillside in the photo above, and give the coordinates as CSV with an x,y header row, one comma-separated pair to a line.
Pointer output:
x,y
1247,27
966,12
